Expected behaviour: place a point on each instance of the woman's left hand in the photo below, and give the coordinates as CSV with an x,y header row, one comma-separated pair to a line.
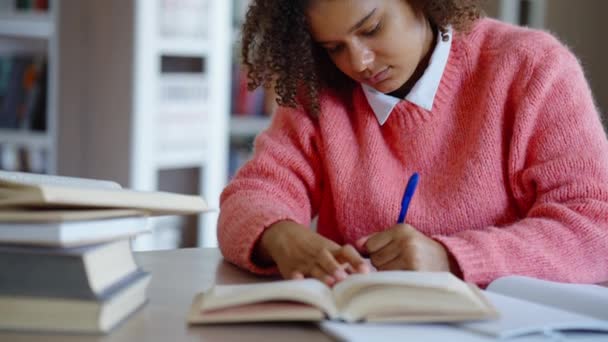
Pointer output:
x,y
402,247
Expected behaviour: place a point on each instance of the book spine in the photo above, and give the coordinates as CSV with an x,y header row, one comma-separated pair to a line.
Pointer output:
x,y
14,97
43,276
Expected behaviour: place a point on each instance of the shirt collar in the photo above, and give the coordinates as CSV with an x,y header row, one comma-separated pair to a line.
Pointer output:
x,y
424,91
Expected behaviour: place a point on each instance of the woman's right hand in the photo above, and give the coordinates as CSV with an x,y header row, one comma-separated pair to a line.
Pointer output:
x,y
300,252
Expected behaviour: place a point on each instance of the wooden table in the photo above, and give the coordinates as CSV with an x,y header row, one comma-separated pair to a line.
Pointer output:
x,y
177,275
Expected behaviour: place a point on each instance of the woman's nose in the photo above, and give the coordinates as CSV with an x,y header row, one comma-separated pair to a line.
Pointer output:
x,y
361,58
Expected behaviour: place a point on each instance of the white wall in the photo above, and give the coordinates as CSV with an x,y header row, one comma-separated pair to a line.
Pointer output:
x,y
581,25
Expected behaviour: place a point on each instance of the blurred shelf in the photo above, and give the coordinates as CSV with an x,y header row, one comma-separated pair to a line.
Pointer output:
x,y
192,110
26,25
183,47
24,138
247,126
177,159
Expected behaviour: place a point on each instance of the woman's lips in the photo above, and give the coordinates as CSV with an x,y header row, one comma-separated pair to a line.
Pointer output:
x,y
378,77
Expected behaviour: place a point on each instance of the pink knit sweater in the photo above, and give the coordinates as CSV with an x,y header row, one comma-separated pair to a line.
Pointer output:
x,y
513,164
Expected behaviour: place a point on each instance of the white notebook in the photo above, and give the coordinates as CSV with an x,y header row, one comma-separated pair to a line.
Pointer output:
x,y
528,305
438,333
586,299
530,310
519,317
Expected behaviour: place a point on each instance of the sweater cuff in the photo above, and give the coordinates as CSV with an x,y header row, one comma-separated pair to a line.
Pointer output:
x,y
238,234
471,262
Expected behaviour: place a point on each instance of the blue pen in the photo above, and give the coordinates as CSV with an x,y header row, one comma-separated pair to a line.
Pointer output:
x,y
410,188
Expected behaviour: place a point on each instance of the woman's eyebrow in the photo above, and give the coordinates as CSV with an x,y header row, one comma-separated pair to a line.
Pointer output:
x,y
355,27
362,21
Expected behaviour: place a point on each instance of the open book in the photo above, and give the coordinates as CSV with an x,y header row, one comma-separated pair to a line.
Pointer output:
x,y
392,296
19,189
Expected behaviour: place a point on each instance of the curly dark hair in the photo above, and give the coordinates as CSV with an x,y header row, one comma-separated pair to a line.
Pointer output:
x,y
278,50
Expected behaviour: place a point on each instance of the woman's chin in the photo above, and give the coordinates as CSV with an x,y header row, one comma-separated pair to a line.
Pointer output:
x,y
385,87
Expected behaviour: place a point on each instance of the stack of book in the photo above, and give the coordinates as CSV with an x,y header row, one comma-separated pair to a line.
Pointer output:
x,y
65,255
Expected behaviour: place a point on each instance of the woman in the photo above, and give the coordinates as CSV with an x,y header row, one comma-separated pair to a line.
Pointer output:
x,y
498,121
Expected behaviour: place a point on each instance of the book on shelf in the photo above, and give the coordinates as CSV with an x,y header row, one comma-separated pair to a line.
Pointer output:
x,y
238,156
72,314
44,191
87,272
23,92
30,5
245,102
528,308
392,296
25,158
35,107
14,91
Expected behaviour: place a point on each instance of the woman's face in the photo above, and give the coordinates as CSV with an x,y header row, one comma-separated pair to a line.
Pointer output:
x,y
376,42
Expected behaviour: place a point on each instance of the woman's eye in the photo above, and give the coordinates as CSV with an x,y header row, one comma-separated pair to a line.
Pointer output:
x,y
372,31
334,49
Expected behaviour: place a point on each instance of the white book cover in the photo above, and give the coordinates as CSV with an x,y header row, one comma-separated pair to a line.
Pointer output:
x,y
72,233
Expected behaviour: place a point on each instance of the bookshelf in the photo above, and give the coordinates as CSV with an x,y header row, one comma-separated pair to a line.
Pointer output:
x,y
28,78
148,117
247,126
33,139
250,112
129,99
25,24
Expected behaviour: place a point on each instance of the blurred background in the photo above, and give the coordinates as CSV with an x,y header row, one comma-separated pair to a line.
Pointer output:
x,y
150,93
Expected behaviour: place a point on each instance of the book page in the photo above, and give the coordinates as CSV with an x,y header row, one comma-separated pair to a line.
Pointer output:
x,y
309,291
407,296
346,289
256,312
41,179
586,299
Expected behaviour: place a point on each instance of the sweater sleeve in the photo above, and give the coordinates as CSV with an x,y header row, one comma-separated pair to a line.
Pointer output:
x,y
280,182
558,173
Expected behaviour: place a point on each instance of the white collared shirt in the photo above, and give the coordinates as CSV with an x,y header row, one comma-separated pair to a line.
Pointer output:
x,y
424,91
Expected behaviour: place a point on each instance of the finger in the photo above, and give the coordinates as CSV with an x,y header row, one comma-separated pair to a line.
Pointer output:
x,y
318,273
370,267
393,265
350,255
329,264
377,241
406,260
297,275
386,254
360,244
